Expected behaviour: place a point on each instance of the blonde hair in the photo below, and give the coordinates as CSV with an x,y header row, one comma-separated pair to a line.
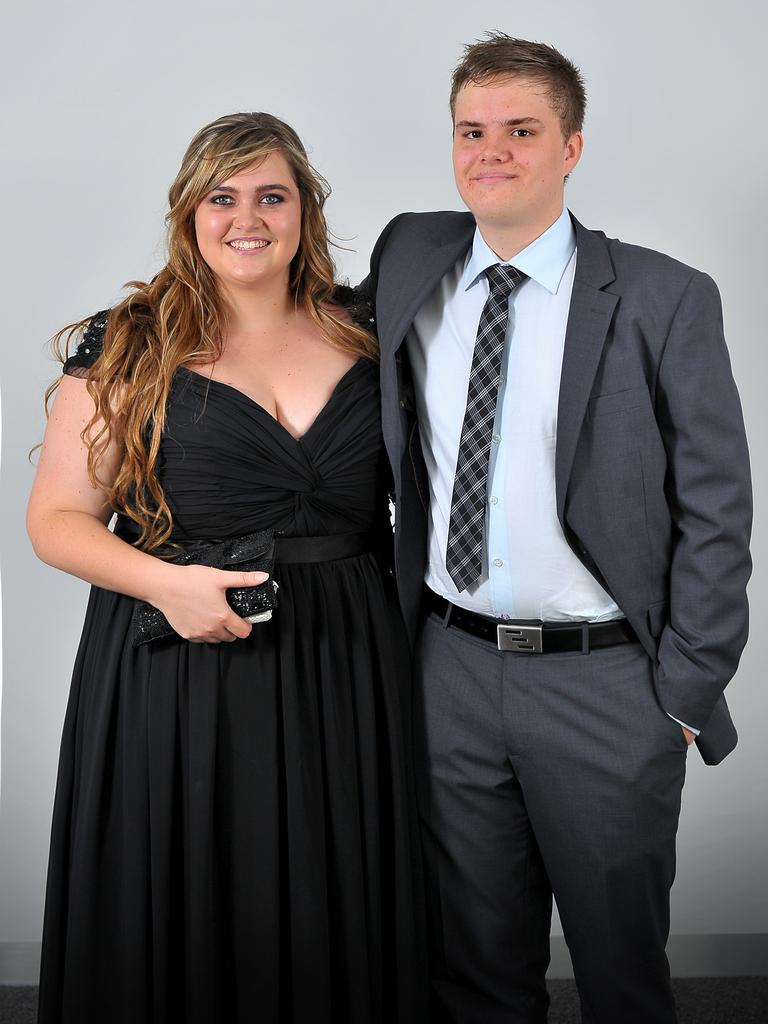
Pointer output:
x,y
179,316
499,56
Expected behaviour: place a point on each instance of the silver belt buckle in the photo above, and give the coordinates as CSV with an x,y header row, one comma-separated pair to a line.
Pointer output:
x,y
525,639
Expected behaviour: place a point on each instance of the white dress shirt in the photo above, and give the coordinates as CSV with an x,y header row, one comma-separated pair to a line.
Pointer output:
x,y
529,571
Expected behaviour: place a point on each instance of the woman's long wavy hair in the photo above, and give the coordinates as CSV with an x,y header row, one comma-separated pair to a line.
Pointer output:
x,y
180,316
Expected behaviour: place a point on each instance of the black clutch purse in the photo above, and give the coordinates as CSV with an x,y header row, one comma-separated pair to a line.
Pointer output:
x,y
253,552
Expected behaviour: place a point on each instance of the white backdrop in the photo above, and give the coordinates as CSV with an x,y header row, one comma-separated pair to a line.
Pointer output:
x,y
101,102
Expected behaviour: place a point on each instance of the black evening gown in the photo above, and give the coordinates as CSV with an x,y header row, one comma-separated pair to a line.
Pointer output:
x,y
234,836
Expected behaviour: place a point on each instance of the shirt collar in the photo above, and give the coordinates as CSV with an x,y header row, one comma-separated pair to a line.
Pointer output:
x,y
544,260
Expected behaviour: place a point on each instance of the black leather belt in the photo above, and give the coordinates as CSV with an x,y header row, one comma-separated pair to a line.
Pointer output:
x,y
530,637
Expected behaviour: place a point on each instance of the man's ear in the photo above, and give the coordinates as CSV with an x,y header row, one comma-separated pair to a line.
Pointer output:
x,y
573,150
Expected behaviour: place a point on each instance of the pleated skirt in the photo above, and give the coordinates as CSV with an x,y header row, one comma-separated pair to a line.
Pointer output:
x,y
234,835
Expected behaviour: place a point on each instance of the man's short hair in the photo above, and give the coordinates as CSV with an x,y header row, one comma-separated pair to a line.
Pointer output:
x,y
500,56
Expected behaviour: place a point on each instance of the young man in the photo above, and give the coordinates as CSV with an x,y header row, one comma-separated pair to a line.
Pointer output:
x,y
573,514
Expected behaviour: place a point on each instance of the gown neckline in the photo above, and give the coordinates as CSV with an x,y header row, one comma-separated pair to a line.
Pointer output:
x,y
201,377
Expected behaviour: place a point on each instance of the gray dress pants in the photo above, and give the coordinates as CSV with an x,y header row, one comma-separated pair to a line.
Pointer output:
x,y
542,774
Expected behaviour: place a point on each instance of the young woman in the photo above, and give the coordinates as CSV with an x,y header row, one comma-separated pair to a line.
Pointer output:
x,y
233,836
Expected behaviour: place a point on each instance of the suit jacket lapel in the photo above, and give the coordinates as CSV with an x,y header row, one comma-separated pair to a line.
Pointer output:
x,y
418,280
588,322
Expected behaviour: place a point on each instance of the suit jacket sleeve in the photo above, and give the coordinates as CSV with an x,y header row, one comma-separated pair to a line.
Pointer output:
x,y
370,283
709,494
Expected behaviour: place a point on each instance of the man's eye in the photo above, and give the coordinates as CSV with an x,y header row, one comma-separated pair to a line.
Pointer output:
x,y
473,134
521,133
270,199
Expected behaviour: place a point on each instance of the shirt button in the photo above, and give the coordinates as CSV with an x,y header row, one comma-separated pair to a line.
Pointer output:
x,y
498,563
494,500
496,438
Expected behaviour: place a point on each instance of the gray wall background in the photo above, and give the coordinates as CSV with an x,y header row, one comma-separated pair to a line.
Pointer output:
x,y
101,102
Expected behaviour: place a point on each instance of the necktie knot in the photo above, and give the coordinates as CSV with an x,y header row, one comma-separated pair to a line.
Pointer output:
x,y
503,279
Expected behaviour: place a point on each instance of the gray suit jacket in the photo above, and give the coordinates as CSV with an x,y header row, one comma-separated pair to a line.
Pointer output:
x,y
652,469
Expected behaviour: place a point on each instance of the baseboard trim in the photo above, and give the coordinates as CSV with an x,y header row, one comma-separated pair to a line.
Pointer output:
x,y
690,956
19,963
693,956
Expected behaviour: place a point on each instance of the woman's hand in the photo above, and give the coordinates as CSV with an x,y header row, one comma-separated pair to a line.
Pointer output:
x,y
192,598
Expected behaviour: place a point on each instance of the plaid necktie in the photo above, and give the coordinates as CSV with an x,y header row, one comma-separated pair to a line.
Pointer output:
x,y
464,553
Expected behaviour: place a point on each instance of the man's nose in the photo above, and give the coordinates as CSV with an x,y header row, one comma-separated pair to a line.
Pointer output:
x,y
496,150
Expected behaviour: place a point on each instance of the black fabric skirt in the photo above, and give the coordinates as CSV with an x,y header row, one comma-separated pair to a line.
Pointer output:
x,y
234,835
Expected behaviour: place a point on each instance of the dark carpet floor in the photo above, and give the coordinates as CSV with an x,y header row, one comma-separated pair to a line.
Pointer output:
x,y
699,1001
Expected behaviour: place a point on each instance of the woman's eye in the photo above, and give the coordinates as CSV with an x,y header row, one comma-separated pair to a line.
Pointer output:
x,y
222,200
270,199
